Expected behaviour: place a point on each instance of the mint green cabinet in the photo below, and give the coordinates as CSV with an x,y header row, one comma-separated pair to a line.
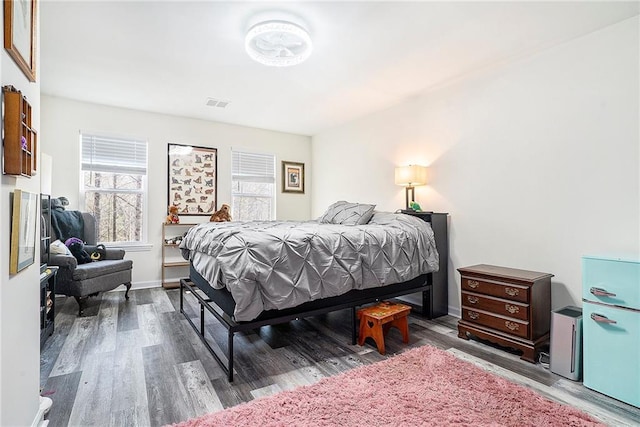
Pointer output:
x,y
611,321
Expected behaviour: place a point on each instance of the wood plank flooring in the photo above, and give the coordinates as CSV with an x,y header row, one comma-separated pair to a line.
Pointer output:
x,y
139,363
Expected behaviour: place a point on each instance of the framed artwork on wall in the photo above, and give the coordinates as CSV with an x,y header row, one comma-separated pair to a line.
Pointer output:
x,y
192,179
23,230
292,177
20,34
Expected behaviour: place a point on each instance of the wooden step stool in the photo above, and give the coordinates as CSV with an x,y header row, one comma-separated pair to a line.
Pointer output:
x,y
375,322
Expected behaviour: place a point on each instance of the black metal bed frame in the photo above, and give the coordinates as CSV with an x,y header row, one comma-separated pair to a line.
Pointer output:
x,y
233,327
432,286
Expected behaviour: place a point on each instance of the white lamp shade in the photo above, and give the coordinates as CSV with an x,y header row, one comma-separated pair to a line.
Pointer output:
x,y
411,175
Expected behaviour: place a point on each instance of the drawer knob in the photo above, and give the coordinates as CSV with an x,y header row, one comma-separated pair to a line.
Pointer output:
x,y
512,326
473,283
599,292
472,300
512,308
602,319
473,315
511,291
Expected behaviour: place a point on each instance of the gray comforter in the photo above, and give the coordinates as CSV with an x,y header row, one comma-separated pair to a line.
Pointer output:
x,y
275,264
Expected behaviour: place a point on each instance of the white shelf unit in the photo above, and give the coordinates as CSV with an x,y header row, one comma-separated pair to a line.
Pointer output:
x,y
174,267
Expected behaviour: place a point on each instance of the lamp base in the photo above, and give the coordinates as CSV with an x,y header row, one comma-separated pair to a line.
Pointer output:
x,y
408,199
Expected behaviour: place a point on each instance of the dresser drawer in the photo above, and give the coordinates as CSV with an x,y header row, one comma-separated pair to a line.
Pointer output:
x,y
510,326
501,290
496,305
611,281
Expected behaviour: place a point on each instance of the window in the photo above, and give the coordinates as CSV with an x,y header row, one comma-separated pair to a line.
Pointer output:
x,y
114,186
253,186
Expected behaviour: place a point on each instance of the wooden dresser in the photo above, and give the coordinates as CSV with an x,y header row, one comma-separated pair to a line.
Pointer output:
x,y
506,306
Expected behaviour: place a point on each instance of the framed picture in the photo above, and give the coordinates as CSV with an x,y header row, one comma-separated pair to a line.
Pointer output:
x,y
292,177
20,34
23,230
193,185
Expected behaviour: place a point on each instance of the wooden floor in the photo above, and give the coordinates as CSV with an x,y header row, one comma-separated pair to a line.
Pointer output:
x,y
138,362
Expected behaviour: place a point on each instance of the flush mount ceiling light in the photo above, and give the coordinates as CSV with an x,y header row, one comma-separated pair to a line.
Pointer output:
x,y
278,43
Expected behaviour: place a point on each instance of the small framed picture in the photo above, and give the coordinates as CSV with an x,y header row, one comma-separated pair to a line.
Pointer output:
x,y
20,34
23,230
292,177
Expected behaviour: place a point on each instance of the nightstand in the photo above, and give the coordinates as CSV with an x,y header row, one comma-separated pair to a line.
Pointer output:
x,y
438,304
506,306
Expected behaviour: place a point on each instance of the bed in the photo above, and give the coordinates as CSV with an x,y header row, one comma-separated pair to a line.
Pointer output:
x,y
252,274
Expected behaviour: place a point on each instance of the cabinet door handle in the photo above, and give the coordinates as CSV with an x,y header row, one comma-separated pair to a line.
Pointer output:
x,y
512,326
473,315
472,300
599,292
473,283
602,319
511,291
512,308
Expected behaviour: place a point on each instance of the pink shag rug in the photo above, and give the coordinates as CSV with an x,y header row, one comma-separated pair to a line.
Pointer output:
x,y
423,386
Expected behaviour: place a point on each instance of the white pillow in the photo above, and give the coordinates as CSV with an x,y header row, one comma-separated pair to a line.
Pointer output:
x,y
346,213
59,248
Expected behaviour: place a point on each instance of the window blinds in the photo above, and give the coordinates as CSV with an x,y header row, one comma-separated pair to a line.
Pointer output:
x,y
253,167
113,154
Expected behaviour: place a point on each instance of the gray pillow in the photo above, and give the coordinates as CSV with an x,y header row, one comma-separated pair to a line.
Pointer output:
x,y
346,213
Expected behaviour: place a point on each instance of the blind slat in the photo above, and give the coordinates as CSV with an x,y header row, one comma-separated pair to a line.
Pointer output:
x,y
112,154
252,167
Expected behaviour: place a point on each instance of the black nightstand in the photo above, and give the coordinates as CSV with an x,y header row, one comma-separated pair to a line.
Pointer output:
x,y
438,304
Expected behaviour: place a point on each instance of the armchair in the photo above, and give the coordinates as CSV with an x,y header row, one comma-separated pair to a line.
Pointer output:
x,y
84,280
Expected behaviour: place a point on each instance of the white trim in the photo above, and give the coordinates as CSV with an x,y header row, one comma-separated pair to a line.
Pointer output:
x,y
455,311
146,285
140,285
130,247
39,420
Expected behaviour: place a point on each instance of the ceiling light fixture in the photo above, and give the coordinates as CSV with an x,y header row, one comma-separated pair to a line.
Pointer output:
x,y
278,43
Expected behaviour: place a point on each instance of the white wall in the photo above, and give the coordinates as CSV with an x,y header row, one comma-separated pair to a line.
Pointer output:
x,y
19,293
62,120
537,161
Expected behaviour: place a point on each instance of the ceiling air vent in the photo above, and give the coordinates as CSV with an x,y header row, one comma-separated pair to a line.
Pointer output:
x,y
212,102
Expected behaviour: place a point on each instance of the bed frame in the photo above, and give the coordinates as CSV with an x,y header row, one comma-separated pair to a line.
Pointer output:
x,y
432,287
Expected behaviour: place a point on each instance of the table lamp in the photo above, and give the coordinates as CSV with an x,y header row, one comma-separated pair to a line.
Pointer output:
x,y
409,177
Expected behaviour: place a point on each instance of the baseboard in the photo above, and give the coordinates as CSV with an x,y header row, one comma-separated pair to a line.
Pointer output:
x,y
146,285
455,311
140,285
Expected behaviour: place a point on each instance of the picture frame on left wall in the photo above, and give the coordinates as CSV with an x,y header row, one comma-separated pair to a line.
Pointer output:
x,y
23,230
20,34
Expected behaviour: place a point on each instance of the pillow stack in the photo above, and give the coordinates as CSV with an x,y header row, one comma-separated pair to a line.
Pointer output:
x,y
346,213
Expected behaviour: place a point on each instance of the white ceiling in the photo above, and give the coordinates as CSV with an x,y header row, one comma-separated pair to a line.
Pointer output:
x,y
169,57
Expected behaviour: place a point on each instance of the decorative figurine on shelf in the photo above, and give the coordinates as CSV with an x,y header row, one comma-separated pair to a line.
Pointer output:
x,y
173,240
415,206
23,143
173,217
222,214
